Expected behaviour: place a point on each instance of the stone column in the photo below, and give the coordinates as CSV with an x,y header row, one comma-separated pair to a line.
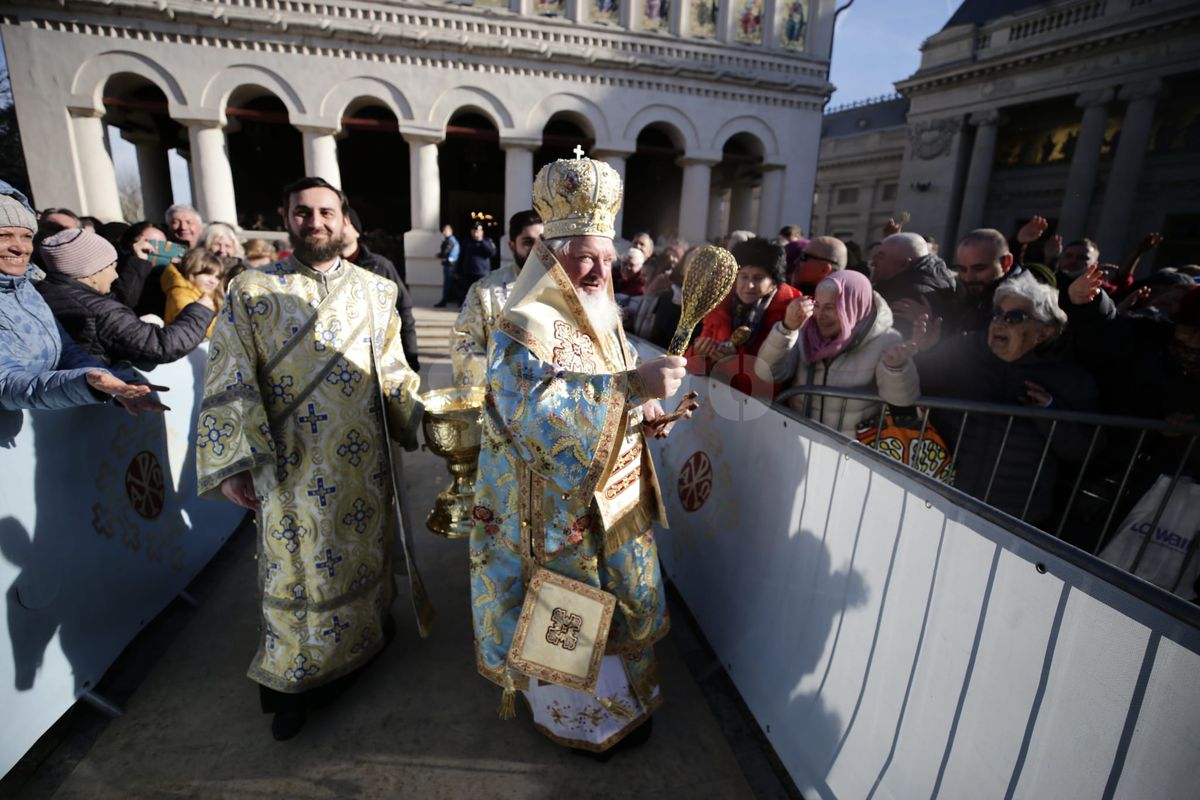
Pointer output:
x,y
425,189
979,173
616,160
770,201
716,209
212,176
154,171
1081,181
726,19
770,25
101,197
518,177
320,154
422,242
693,204
1120,193
741,206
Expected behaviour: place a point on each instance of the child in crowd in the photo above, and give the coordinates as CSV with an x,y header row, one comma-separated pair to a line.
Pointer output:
x,y
200,273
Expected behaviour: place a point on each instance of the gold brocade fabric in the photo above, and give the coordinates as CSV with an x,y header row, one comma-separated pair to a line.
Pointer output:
x,y
475,323
292,396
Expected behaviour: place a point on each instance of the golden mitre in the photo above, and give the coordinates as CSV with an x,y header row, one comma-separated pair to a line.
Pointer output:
x,y
577,197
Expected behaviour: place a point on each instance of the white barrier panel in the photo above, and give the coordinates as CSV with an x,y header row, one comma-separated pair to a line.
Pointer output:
x,y
891,643
100,528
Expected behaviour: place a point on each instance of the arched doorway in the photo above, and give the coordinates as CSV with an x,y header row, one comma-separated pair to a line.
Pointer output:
x,y
373,159
265,154
138,110
471,165
561,135
737,180
652,183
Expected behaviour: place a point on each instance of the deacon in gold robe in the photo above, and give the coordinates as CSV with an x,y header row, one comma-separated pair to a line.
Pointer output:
x,y
566,482
305,383
486,297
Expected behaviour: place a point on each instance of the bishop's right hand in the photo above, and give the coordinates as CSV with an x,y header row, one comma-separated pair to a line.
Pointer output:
x,y
662,376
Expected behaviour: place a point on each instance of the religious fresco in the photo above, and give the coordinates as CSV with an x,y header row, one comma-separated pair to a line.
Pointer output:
x,y
606,11
550,8
703,21
793,24
656,15
748,22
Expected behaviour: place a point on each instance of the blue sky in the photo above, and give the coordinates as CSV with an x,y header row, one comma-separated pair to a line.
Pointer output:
x,y
877,42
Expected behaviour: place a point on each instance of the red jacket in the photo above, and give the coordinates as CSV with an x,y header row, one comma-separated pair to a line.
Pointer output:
x,y
738,371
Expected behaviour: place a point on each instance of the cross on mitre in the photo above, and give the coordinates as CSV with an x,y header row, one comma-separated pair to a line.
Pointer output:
x,y
578,151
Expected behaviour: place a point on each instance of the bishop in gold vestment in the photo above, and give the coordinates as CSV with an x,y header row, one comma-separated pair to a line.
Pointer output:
x,y
565,480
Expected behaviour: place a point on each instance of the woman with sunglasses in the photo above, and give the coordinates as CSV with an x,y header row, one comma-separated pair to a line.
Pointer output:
x,y
1020,359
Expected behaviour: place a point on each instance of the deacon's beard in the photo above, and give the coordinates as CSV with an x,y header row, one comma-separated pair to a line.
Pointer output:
x,y
310,252
602,311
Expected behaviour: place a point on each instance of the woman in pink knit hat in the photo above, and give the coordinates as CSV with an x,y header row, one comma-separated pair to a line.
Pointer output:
x,y
81,268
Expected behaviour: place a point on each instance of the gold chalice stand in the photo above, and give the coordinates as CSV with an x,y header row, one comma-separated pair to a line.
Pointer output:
x,y
453,429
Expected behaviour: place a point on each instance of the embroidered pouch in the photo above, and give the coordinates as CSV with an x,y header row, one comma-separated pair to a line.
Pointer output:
x,y
562,631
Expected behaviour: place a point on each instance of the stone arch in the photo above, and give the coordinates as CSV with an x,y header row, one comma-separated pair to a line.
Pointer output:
x,y
463,98
751,126
581,111
222,85
94,74
678,125
338,99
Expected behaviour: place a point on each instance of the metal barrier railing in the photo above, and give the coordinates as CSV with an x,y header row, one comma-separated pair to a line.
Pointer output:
x,y
1056,418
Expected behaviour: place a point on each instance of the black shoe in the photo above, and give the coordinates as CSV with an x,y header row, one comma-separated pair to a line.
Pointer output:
x,y
287,724
441,304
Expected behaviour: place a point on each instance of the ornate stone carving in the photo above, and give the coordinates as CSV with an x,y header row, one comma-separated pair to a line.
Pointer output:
x,y
931,138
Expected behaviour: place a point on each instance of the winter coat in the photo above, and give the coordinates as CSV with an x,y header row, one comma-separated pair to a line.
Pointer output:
x,y
964,367
383,267
40,367
111,330
718,325
860,366
474,260
926,278
181,293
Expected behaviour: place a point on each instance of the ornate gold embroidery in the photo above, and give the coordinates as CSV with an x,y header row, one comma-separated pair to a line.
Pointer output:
x,y
575,351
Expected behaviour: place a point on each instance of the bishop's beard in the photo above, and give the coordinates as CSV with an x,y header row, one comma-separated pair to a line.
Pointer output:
x,y
602,311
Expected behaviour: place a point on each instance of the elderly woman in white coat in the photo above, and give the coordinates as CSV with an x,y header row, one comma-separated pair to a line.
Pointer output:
x,y
842,338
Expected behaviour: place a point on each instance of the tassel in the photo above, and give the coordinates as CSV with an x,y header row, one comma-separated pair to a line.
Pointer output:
x,y
508,700
618,710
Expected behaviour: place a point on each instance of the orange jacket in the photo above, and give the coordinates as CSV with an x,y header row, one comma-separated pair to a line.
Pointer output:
x,y
180,292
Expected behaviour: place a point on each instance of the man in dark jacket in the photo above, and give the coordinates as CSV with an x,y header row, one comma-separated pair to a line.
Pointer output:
x,y
81,269
912,280
357,253
474,261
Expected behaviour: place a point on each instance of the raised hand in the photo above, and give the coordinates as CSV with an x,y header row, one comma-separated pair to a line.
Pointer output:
x,y
1086,287
911,309
797,313
927,332
1033,230
704,346
1036,396
1149,242
662,376
1133,300
892,226
141,405
1053,247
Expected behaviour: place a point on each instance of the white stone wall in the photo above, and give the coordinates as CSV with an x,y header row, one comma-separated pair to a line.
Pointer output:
x,y
425,63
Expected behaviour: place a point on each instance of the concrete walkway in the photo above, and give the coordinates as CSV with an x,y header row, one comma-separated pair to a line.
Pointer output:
x,y
419,723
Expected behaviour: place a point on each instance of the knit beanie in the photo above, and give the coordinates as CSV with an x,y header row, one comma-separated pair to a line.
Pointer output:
x,y
14,214
76,253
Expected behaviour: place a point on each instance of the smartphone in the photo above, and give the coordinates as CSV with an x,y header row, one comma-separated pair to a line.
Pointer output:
x,y
165,252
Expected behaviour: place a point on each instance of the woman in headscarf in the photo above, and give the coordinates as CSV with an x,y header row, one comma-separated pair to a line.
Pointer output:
x,y
842,338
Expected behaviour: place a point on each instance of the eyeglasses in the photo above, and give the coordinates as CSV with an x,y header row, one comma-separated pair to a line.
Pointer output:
x,y
806,256
1014,317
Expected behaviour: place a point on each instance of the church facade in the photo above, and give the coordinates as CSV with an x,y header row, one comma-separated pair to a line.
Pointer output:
x,y
427,113
1086,112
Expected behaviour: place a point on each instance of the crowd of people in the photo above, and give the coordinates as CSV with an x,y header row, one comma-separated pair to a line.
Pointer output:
x,y
989,324
124,298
